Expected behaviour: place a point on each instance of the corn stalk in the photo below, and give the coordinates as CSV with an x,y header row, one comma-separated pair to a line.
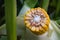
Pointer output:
x,y
10,14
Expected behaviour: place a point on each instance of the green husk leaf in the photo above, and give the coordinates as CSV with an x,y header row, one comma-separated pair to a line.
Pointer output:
x,y
55,26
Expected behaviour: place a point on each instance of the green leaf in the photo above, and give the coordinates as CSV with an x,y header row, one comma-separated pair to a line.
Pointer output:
x,y
57,9
31,3
45,4
3,38
58,21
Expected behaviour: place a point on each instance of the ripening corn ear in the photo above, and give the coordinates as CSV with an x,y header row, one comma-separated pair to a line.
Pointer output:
x,y
37,20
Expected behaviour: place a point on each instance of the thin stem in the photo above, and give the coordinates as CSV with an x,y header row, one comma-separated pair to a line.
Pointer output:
x,y
10,13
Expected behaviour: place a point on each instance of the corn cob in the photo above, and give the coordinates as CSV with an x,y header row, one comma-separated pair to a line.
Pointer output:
x,y
37,20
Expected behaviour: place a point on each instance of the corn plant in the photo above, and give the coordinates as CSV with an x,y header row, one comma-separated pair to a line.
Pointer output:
x,y
32,22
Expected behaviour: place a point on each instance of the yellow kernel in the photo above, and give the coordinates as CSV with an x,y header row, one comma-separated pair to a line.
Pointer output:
x,y
33,28
37,29
28,24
